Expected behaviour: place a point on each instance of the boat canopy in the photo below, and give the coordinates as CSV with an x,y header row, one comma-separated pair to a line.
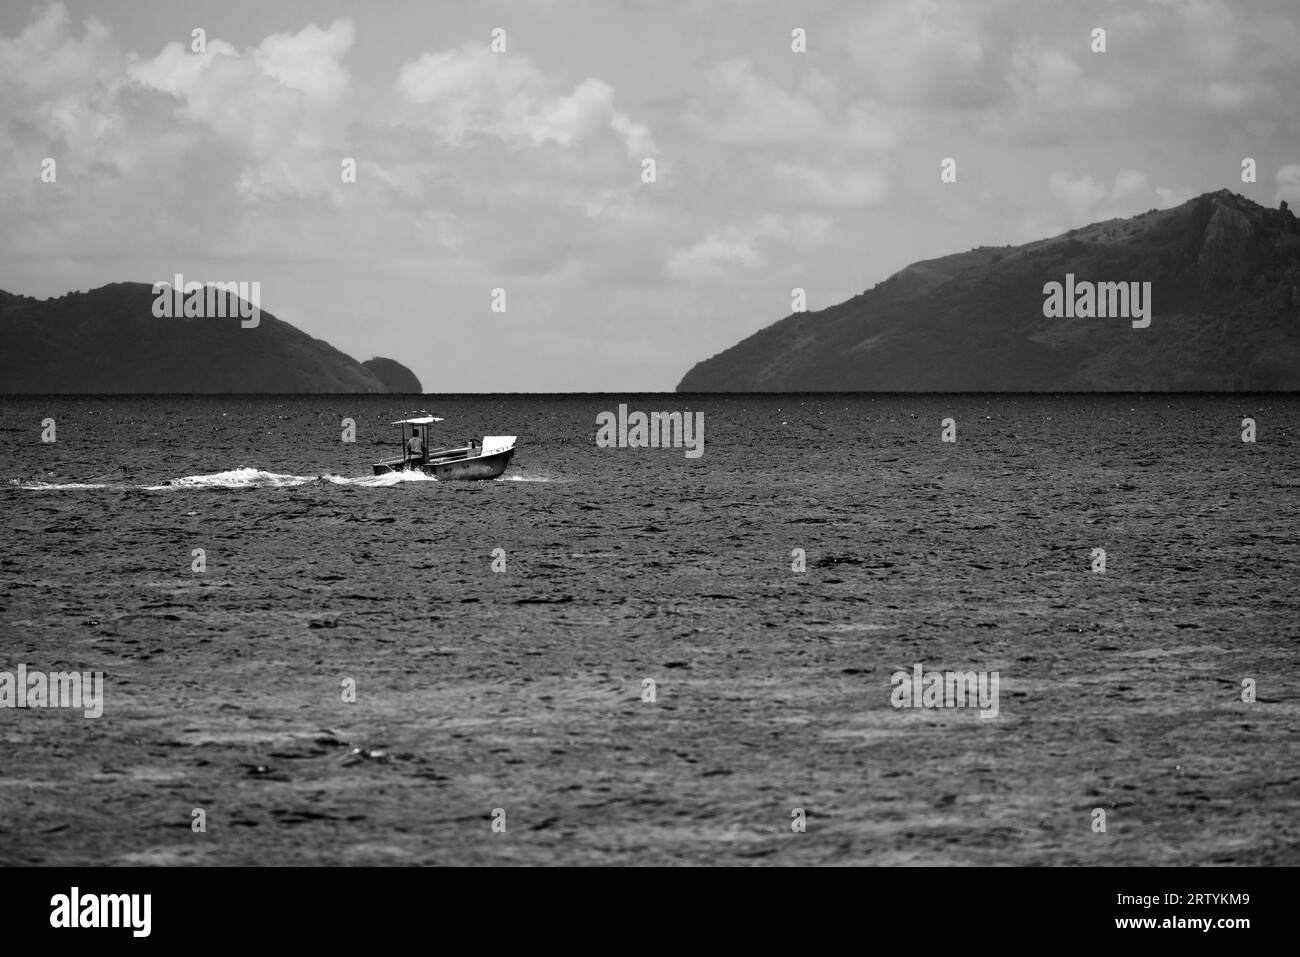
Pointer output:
x,y
422,420
497,443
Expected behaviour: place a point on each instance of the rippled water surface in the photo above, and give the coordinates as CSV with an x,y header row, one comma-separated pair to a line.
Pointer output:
x,y
522,690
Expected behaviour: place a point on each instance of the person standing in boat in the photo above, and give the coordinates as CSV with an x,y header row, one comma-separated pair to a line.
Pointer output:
x,y
415,447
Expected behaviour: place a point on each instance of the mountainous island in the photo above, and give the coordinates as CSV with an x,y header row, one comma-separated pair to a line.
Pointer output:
x,y
109,340
394,376
1224,291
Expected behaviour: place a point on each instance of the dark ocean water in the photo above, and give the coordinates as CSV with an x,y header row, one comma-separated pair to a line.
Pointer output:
x,y
522,690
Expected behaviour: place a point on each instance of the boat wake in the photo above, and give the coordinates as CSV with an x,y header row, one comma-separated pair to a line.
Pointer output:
x,y
243,478
57,486
381,481
235,478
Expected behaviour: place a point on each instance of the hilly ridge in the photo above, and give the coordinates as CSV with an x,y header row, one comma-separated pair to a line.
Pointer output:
x,y
108,340
1225,275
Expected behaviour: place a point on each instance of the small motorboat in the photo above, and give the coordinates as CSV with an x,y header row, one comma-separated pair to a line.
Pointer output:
x,y
469,461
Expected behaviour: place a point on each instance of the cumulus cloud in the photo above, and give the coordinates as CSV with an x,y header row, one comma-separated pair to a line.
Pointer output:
x,y
740,247
1166,197
60,88
1231,97
1079,195
1288,184
272,108
44,60
471,90
177,70
854,187
740,107
920,53
1050,79
309,61
1087,200
1128,183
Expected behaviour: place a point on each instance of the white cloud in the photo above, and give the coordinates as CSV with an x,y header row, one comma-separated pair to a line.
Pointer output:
x,y
1288,184
707,258
636,135
45,61
1230,97
309,61
60,87
1128,183
1090,201
1168,198
739,246
1079,195
854,187
473,91
1049,79
740,107
274,107
919,53
176,70
470,90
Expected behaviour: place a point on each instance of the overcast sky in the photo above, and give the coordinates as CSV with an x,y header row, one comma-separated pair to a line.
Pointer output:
x,y
523,170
